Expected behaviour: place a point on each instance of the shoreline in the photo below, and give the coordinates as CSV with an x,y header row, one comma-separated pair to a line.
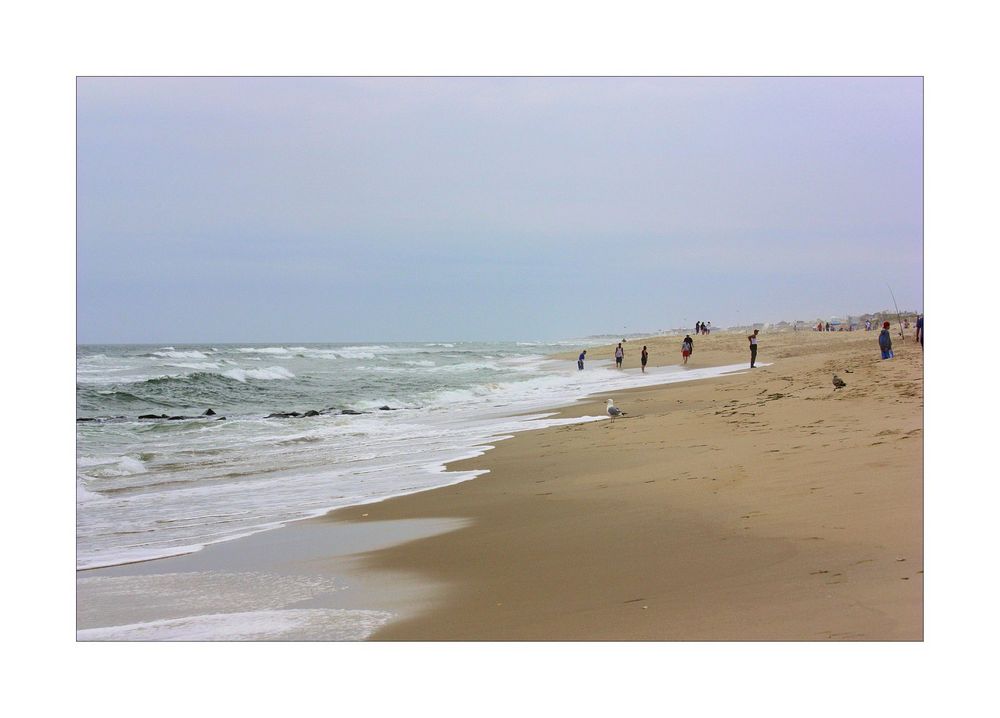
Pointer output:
x,y
514,561
526,414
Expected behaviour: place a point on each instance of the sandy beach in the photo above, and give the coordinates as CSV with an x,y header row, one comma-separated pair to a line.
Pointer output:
x,y
763,505
758,505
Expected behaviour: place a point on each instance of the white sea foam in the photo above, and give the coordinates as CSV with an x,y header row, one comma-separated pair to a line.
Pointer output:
x,y
83,495
181,355
112,467
279,351
268,374
202,366
300,624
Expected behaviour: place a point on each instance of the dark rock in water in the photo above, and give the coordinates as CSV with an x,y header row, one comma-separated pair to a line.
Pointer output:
x,y
351,412
86,418
221,418
311,412
178,418
386,408
209,412
153,416
282,415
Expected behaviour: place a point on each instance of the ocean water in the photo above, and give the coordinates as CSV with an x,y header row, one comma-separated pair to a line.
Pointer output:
x,y
149,488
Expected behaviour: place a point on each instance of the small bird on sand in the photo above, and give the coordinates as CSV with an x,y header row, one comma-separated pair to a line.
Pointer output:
x,y
838,383
613,410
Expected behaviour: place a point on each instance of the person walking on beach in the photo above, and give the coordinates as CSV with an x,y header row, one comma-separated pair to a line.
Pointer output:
x,y
885,341
619,355
920,330
644,359
753,348
579,360
687,346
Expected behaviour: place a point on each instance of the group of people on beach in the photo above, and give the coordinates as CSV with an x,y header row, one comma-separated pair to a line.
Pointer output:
x,y
701,327
687,348
687,345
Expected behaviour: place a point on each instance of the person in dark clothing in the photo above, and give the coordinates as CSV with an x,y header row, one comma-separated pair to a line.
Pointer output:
x,y
920,330
579,361
885,341
687,347
753,348
644,359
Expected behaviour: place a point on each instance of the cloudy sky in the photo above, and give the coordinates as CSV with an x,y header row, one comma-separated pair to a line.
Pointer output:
x,y
382,209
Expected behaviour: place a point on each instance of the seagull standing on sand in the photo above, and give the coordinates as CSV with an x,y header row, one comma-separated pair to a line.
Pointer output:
x,y
838,383
613,410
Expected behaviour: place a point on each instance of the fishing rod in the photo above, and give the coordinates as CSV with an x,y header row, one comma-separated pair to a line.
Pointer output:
x,y
898,318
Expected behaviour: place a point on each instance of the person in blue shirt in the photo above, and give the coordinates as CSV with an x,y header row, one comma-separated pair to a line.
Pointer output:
x,y
579,361
885,341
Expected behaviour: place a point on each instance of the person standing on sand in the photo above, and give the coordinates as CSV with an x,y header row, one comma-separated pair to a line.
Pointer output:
x,y
687,347
920,330
885,341
644,359
619,355
753,348
579,361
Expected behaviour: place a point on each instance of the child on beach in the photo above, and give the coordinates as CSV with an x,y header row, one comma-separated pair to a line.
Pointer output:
x,y
645,357
619,355
687,346
885,341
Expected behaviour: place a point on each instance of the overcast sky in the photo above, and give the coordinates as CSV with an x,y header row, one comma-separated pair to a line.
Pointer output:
x,y
382,209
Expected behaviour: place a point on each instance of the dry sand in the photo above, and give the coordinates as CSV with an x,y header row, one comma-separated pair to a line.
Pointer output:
x,y
757,506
